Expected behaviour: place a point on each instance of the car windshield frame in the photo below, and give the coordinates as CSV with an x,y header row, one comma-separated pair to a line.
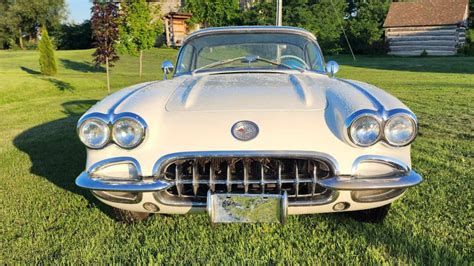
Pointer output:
x,y
304,36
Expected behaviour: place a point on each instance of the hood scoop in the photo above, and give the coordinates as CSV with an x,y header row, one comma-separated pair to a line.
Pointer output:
x,y
245,91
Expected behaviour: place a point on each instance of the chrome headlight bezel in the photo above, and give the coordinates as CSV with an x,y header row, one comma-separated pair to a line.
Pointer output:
x,y
102,123
408,117
141,127
358,118
110,120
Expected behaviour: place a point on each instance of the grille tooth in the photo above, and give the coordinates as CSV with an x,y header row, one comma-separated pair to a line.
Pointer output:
x,y
195,177
179,184
296,183
315,179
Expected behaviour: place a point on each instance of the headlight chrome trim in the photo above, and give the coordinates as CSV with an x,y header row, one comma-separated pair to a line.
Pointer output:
x,y
355,117
100,120
411,117
382,118
135,118
110,120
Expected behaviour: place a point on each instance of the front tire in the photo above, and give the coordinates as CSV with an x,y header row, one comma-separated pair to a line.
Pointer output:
x,y
130,217
375,216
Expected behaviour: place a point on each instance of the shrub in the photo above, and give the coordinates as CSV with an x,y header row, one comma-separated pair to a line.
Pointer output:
x,y
47,61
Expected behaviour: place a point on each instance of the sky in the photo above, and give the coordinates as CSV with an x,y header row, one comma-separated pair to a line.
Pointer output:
x,y
79,10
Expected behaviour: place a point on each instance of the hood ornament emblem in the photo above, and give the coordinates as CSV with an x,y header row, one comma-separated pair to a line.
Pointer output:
x,y
245,130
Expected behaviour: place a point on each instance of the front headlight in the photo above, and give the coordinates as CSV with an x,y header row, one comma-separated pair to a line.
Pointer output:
x,y
400,130
365,131
94,133
128,132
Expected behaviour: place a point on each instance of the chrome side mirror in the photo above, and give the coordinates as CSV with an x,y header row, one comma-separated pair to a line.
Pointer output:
x,y
167,68
332,68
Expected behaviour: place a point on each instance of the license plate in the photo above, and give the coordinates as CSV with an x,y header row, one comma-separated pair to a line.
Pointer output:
x,y
247,208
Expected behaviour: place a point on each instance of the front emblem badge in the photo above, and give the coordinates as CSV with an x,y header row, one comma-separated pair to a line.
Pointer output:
x,y
244,130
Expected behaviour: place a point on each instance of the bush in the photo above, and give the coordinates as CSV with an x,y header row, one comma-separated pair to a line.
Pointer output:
x,y
468,48
47,61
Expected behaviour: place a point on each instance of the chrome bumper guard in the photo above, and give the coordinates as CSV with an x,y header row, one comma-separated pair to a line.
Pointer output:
x,y
85,180
409,179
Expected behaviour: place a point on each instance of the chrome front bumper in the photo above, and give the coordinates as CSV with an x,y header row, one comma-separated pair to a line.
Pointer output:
x,y
351,183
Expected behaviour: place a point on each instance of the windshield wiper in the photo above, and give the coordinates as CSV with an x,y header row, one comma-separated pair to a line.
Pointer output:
x,y
245,59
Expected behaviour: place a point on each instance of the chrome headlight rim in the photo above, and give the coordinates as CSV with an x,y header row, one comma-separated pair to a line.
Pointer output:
x,y
414,123
107,133
357,118
138,120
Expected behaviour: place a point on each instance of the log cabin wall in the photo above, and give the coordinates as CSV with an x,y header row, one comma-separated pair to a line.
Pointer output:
x,y
435,40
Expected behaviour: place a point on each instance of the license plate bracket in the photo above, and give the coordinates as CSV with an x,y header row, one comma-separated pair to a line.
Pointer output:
x,y
247,208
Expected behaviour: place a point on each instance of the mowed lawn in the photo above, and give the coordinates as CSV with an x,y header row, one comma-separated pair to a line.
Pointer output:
x,y
44,217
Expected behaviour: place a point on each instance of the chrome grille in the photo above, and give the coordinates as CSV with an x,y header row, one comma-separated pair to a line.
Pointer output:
x,y
194,177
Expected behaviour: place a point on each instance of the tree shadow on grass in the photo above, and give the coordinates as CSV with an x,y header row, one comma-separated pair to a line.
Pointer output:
x,y
84,67
30,71
56,153
61,85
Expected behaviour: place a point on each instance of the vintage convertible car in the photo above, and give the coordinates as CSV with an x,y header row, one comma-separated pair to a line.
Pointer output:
x,y
252,127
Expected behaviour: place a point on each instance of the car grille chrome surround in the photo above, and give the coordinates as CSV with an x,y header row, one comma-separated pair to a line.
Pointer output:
x,y
297,174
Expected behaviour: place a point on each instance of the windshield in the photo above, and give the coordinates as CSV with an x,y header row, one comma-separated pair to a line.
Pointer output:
x,y
244,51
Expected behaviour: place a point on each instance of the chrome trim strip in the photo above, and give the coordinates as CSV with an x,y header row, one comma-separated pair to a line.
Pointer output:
x,y
85,180
118,199
112,161
250,29
397,164
165,160
347,183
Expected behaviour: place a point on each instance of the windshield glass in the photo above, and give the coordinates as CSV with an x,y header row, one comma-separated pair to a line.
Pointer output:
x,y
243,51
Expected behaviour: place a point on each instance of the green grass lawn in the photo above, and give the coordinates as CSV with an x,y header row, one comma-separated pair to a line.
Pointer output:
x,y
44,217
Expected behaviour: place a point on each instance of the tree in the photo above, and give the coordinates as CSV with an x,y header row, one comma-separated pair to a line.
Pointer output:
x,y
322,17
137,30
365,26
47,60
23,18
74,36
213,13
261,13
104,24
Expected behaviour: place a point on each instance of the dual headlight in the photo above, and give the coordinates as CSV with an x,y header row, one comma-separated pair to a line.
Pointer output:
x,y
399,130
127,132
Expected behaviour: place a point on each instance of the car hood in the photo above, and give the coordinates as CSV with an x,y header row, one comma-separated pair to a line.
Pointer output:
x,y
247,91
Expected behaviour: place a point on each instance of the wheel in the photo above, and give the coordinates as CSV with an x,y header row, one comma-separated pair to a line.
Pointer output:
x,y
376,215
129,217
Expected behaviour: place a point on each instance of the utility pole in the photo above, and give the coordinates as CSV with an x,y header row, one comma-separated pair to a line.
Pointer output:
x,y
279,12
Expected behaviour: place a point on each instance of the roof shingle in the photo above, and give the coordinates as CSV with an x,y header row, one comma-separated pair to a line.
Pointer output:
x,y
426,13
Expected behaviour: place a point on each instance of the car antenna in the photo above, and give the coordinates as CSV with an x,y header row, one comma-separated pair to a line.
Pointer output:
x,y
343,31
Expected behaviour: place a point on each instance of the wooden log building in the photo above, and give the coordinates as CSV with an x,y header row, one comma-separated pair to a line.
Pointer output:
x,y
435,26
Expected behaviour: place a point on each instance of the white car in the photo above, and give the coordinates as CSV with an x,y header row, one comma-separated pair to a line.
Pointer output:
x,y
253,126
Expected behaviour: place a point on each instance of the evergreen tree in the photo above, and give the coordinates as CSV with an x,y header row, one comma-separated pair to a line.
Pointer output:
x,y
137,30
105,32
47,60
